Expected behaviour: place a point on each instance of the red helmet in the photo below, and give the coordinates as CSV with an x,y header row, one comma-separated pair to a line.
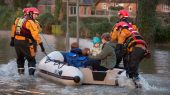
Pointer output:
x,y
26,10
121,24
34,10
124,13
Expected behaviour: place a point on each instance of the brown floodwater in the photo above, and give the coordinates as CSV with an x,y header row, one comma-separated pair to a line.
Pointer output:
x,y
155,73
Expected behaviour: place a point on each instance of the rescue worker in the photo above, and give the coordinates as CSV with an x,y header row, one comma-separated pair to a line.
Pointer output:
x,y
123,16
130,45
25,39
36,22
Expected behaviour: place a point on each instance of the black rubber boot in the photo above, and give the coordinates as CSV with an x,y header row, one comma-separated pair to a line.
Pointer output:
x,y
31,71
136,81
20,71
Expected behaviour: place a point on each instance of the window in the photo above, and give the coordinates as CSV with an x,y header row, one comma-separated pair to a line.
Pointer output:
x,y
104,6
130,9
73,10
85,10
165,6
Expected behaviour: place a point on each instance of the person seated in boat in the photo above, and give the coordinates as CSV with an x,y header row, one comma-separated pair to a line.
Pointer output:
x,y
75,57
75,48
85,51
107,55
97,46
96,49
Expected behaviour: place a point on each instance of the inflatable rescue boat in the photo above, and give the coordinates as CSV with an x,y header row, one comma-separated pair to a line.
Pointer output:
x,y
54,68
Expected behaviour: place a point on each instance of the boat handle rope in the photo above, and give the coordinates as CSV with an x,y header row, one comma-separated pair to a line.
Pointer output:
x,y
56,62
53,60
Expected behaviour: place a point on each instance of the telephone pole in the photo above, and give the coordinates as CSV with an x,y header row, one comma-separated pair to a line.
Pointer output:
x,y
77,28
67,31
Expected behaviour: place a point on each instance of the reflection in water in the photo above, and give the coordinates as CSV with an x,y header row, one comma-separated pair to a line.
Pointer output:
x,y
6,52
155,76
162,58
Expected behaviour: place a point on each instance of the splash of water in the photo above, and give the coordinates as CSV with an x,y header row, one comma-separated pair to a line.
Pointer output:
x,y
9,69
128,83
147,86
124,81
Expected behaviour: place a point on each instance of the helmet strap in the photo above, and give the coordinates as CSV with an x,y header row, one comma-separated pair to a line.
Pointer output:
x,y
31,15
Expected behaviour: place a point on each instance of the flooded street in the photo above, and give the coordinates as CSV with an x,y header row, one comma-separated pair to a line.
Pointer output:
x,y
155,73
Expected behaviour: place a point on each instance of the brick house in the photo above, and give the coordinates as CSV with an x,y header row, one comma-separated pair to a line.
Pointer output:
x,y
99,7
163,6
163,12
46,6
85,7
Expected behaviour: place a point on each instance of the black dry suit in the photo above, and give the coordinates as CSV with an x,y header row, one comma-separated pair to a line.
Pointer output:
x,y
133,50
26,48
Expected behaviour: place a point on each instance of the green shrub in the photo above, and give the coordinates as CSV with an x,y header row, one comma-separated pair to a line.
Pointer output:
x,y
90,25
99,28
162,34
46,20
8,16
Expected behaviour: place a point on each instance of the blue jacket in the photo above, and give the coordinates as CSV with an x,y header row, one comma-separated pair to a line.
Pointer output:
x,y
76,51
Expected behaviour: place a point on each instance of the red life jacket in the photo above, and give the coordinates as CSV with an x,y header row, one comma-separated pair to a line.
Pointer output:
x,y
134,39
21,29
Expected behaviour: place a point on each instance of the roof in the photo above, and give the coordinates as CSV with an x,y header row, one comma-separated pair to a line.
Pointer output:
x,y
164,2
83,2
88,2
125,1
46,2
115,1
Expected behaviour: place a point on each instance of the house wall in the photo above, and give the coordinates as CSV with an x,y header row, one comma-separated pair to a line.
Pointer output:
x,y
46,5
43,8
163,8
81,10
84,10
102,6
131,7
52,9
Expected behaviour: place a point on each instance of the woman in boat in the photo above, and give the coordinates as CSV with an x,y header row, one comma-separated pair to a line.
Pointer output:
x,y
107,55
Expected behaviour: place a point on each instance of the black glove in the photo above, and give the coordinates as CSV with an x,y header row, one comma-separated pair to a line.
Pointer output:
x,y
42,47
12,42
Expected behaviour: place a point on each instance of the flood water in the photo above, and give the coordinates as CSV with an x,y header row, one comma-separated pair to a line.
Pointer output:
x,y
155,73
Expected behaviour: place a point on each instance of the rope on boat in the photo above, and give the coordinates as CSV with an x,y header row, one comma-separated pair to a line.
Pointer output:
x,y
56,62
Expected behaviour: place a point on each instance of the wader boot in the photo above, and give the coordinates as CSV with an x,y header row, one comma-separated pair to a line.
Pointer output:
x,y
136,81
21,71
31,65
31,71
